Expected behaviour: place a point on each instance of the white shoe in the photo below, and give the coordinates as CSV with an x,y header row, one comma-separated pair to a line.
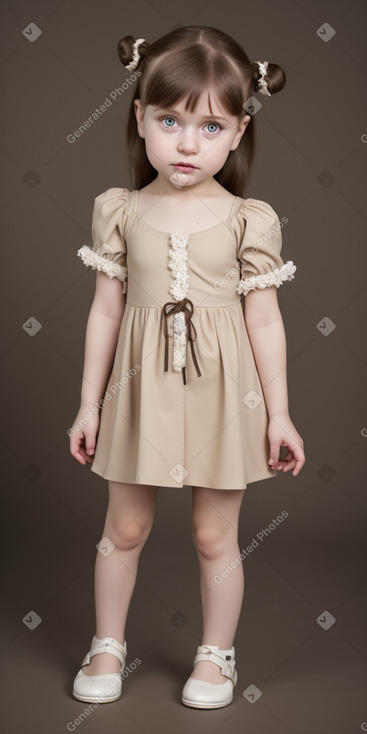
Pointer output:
x,y
101,688
203,695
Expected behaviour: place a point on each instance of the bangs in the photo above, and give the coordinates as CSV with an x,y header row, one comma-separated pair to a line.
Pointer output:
x,y
188,74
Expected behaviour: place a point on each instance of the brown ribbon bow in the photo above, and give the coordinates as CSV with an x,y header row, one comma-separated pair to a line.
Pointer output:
x,y
177,306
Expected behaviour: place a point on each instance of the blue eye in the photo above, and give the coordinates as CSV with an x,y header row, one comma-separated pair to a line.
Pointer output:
x,y
216,124
168,118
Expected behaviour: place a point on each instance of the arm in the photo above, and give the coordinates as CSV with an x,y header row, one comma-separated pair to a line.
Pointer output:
x,y
102,331
266,332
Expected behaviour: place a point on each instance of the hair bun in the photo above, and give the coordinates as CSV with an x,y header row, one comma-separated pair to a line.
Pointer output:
x,y
275,77
125,51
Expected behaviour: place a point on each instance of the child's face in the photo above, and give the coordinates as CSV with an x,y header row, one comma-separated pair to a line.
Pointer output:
x,y
198,138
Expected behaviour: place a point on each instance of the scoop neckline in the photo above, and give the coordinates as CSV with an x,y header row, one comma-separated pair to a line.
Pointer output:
x,y
187,234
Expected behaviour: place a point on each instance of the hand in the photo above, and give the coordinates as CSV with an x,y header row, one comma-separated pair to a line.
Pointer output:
x,y
83,437
281,432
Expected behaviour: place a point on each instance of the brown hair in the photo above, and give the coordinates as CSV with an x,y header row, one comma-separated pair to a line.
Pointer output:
x,y
184,63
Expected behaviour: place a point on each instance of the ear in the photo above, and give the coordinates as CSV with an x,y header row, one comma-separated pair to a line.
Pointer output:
x,y
241,129
139,114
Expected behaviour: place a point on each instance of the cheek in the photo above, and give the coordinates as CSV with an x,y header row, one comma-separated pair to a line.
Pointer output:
x,y
157,149
218,152
157,143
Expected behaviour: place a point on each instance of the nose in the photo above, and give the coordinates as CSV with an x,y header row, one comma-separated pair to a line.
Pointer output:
x,y
187,141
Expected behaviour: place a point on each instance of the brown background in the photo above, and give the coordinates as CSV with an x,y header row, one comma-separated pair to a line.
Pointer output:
x,y
311,168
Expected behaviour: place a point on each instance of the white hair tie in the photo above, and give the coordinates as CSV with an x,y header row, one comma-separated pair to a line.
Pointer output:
x,y
136,56
261,83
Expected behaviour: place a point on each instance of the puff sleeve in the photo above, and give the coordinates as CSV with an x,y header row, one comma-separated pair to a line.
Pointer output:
x,y
108,253
259,238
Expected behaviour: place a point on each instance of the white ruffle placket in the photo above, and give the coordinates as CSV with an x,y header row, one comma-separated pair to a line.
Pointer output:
x,y
179,289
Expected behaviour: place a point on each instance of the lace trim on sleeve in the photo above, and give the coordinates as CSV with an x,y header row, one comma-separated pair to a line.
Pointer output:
x,y
101,263
275,277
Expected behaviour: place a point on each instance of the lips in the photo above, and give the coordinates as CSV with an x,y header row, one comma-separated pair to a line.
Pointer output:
x,y
182,164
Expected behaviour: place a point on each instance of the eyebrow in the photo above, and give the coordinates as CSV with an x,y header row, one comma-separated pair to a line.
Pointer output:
x,y
175,112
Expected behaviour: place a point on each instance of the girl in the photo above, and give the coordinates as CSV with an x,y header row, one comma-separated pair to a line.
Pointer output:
x,y
192,389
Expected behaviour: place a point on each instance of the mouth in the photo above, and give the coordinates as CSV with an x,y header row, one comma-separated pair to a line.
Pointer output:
x,y
184,166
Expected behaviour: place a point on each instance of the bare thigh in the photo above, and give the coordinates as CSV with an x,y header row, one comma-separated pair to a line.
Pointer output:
x,y
130,513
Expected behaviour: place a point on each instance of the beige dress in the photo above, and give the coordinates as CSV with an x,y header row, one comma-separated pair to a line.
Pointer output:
x,y
184,405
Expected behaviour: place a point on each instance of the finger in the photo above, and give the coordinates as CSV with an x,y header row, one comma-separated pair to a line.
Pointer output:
x,y
287,465
84,452
288,461
79,452
87,459
290,465
80,456
285,460
299,465
279,463
89,445
274,456
299,459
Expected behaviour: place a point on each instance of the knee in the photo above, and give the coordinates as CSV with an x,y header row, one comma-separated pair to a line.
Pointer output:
x,y
128,537
209,541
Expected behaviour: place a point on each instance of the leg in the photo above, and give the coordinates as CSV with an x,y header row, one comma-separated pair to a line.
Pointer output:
x,y
215,532
128,523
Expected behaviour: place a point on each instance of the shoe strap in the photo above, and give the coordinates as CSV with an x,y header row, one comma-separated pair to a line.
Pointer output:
x,y
106,644
223,658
